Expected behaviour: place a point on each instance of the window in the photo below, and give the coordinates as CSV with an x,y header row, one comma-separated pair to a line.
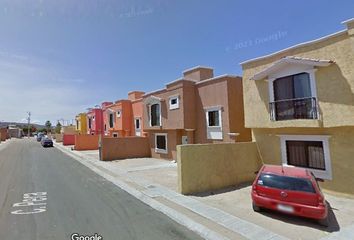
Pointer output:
x,y
213,118
161,142
214,123
115,135
307,151
105,127
293,98
119,113
174,102
307,154
111,120
77,125
285,183
137,123
89,123
155,115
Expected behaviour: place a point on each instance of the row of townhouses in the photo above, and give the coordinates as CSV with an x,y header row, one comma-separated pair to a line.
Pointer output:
x,y
296,104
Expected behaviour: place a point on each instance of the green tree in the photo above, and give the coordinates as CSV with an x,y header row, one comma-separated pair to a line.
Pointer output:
x,y
48,126
58,127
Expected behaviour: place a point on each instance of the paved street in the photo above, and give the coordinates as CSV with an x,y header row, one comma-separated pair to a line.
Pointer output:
x,y
67,198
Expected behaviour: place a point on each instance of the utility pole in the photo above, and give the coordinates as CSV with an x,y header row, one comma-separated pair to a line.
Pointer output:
x,y
29,123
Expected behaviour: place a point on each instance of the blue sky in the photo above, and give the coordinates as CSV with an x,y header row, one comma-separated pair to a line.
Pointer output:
x,y
58,58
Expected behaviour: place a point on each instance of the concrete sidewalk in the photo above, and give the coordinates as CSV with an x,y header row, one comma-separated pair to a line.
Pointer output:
x,y
218,215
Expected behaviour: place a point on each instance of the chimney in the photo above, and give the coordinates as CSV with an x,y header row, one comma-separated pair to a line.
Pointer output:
x,y
199,73
350,26
134,95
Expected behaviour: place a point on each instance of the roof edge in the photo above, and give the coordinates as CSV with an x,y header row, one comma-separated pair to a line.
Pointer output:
x,y
295,46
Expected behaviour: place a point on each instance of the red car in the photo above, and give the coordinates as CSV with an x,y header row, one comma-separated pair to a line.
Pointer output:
x,y
290,190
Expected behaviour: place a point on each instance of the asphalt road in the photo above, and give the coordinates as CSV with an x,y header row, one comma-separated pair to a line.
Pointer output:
x,y
67,197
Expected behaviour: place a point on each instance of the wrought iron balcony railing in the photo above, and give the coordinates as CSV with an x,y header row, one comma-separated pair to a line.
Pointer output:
x,y
299,108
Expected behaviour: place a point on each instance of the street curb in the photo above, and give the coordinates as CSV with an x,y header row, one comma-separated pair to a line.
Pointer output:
x,y
182,219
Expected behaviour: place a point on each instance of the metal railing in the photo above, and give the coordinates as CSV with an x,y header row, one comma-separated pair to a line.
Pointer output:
x,y
299,108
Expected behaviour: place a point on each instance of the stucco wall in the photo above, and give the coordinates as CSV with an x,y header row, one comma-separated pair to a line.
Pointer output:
x,y
341,147
3,132
68,130
172,119
86,142
335,86
203,167
68,139
122,148
173,139
137,112
58,137
227,93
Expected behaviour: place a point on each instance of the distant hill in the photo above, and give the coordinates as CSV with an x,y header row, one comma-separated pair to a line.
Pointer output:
x,y
20,125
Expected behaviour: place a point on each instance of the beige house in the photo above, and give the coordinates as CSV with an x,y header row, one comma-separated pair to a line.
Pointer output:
x,y
299,103
198,108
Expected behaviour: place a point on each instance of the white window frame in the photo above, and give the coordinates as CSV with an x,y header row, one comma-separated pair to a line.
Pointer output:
x,y
150,105
119,113
115,134
176,105
109,120
293,71
324,174
158,150
137,130
214,132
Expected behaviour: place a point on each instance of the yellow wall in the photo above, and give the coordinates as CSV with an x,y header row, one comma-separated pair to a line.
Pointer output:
x,y
335,94
335,86
341,147
82,123
203,167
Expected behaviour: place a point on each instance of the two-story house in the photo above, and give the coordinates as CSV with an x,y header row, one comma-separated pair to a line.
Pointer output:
x,y
123,118
95,122
197,108
136,98
299,103
81,123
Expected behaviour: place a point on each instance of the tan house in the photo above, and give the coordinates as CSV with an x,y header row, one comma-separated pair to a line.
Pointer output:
x,y
198,108
299,103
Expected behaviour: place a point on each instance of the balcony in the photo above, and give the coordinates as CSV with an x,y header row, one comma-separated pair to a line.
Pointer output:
x,y
289,109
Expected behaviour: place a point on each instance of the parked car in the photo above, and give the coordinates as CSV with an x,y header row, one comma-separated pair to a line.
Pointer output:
x,y
39,137
290,190
46,142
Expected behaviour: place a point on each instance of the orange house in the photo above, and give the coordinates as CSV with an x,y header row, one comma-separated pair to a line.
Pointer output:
x,y
136,99
124,117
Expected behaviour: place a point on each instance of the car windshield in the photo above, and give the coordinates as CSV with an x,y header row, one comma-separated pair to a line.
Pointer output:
x,y
286,183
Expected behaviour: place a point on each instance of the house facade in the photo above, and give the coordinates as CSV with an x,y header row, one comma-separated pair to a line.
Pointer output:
x,y
136,98
95,121
299,103
124,117
81,123
197,108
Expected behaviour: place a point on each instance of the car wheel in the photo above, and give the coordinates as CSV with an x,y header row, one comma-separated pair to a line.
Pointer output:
x,y
255,207
324,222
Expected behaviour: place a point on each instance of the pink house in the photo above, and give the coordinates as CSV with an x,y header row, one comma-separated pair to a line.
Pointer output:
x,y
95,121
